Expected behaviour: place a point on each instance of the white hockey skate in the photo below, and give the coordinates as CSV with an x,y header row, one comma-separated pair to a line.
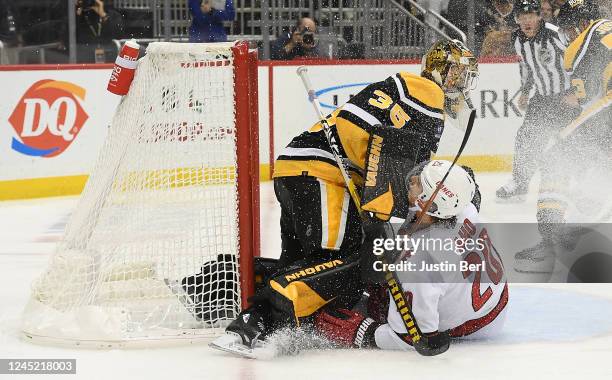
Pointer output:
x,y
537,259
511,193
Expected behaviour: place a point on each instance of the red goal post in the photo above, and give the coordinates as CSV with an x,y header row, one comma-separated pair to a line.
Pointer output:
x,y
247,140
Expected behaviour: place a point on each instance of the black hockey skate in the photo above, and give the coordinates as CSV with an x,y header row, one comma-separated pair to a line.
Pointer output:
x,y
244,336
249,326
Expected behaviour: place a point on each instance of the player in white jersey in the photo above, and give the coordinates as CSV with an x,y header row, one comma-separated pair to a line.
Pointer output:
x,y
452,275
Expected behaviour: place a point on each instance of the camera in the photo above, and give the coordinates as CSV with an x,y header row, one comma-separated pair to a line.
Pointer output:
x,y
308,38
88,3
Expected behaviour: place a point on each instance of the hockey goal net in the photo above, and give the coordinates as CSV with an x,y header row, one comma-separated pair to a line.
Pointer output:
x,y
160,246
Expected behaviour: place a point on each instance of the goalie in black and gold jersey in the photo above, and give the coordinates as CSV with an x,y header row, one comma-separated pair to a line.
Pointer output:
x,y
383,132
575,185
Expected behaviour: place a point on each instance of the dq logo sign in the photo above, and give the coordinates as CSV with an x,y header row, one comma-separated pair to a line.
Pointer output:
x,y
48,118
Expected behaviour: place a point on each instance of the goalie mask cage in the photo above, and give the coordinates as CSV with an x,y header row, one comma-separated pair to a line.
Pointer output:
x,y
160,246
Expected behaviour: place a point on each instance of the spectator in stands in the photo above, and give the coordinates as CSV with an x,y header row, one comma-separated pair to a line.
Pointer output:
x,y
498,40
547,11
457,13
8,24
207,19
556,4
97,25
300,42
9,36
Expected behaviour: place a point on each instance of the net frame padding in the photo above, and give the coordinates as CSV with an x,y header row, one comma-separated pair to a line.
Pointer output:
x,y
172,204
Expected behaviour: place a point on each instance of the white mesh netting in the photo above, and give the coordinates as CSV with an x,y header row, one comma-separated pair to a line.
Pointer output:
x,y
151,250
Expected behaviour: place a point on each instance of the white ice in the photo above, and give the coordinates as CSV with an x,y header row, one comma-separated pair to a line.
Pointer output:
x,y
553,331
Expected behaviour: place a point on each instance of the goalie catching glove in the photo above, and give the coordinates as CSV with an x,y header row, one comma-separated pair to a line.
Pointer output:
x,y
347,328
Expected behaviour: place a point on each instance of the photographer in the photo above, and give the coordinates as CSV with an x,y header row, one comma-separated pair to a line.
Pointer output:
x,y
97,25
299,43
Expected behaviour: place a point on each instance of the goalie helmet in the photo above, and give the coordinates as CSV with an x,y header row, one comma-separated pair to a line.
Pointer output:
x,y
451,65
454,195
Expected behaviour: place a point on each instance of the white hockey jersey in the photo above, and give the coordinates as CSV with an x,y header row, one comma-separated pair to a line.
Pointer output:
x,y
446,294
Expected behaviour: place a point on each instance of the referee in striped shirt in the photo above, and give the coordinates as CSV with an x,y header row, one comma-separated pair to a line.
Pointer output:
x,y
550,108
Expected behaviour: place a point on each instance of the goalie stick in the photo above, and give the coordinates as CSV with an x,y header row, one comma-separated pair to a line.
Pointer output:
x,y
302,71
393,283
596,108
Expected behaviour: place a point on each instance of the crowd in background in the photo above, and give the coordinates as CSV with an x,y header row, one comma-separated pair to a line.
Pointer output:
x,y
32,23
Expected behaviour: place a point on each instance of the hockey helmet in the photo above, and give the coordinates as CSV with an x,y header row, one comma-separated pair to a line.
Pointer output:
x,y
451,65
527,6
454,195
574,11
570,16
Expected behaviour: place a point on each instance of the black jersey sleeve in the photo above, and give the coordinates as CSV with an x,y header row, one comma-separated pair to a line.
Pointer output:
x,y
391,155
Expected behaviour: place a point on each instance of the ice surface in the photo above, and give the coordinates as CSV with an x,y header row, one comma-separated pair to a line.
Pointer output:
x,y
553,331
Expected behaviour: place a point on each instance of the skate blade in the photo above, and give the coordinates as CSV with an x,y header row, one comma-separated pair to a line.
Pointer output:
x,y
233,345
530,271
528,266
511,200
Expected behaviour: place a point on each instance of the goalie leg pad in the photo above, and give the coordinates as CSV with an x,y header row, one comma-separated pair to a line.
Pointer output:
x,y
297,292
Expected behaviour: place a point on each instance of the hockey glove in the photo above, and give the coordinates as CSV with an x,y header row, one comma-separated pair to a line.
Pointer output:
x,y
347,328
374,232
434,343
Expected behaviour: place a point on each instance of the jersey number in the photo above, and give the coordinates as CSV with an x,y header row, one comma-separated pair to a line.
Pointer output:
x,y
607,41
579,86
493,267
398,116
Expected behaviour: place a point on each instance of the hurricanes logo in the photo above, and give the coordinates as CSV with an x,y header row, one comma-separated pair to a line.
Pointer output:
x,y
48,118
445,190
